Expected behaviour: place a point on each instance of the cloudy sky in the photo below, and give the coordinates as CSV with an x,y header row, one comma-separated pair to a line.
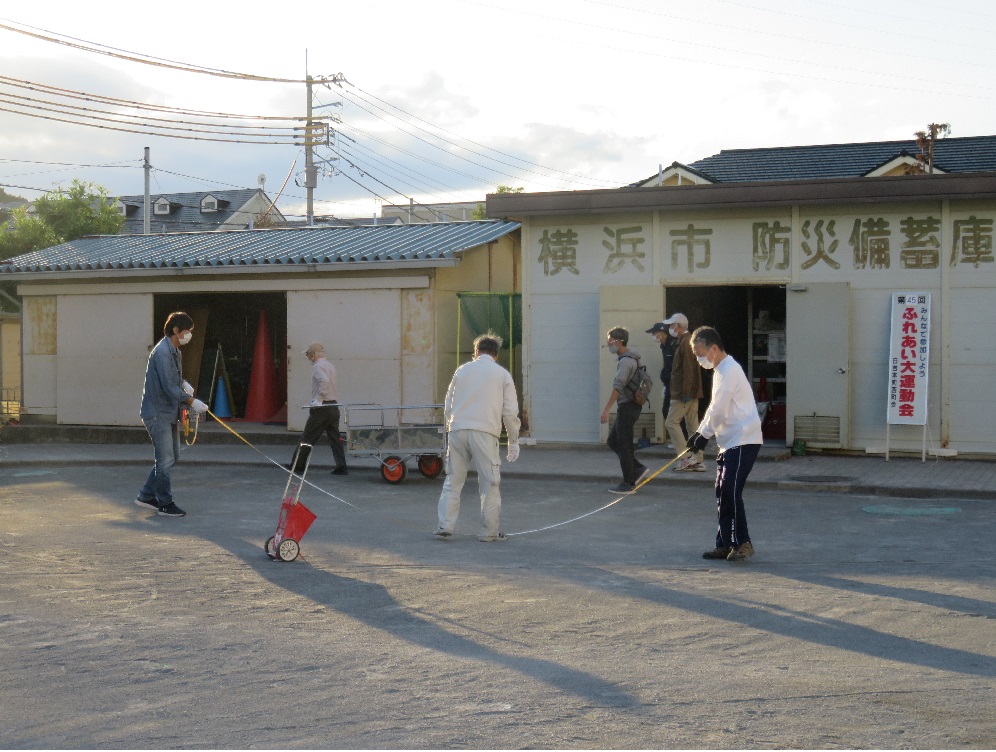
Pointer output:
x,y
445,100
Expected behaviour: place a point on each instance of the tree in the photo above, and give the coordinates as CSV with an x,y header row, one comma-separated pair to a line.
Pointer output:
x,y
60,216
925,141
12,202
481,211
24,233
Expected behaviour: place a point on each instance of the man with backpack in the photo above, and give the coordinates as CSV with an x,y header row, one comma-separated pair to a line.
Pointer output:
x,y
631,381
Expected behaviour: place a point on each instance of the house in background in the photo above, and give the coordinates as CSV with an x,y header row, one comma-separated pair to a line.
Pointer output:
x,y
10,365
871,159
198,212
794,255
413,213
383,299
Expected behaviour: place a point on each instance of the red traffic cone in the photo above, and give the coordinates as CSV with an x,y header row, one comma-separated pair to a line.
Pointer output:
x,y
262,402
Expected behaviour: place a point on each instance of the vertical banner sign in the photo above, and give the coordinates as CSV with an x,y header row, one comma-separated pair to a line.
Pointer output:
x,y
909,358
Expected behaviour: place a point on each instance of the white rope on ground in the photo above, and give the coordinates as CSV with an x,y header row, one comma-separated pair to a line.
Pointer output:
x,y
274,462
406,524
606,506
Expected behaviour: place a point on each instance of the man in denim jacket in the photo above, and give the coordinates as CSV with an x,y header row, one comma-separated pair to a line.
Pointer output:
x,y
165,390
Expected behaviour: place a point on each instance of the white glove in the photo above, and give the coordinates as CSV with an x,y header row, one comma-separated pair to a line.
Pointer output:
x,y
513,452
187,389
198,407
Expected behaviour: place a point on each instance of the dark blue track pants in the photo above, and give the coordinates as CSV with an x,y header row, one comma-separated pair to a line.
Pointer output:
x,y
732,468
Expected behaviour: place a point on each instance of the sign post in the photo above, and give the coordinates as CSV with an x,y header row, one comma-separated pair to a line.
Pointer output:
x,y
909,361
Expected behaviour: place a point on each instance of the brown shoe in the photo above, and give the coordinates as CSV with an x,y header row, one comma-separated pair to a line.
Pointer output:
x,y
741,552
720,552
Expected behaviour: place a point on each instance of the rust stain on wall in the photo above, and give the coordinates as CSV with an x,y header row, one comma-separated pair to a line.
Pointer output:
x,y
416,321
41,316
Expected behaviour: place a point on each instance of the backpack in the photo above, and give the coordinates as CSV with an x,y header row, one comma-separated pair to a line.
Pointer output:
x,y
643,384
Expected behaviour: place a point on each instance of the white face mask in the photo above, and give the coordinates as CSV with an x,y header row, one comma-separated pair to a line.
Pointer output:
x,y
186,337
613,348
673,332
705,362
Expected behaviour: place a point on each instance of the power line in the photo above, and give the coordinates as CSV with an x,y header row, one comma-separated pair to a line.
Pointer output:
x,y
137,57
786,71
358,164
809,40
102,99
38,104
150,133
442,149
397,168
477,143
122,163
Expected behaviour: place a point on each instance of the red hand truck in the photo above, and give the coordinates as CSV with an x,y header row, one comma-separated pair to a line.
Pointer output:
x,y
295,518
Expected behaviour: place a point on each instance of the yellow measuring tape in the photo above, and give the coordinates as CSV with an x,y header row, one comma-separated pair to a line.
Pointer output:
x,y
186,426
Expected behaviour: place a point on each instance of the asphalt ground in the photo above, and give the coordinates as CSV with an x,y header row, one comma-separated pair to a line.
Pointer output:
x,y
864,621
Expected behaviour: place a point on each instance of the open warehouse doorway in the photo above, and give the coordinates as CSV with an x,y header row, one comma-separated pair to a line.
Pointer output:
x,y
751,320
227,329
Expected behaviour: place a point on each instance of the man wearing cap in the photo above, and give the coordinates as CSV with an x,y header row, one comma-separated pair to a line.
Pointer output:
x,y
686,391
668,344
620,439
323,415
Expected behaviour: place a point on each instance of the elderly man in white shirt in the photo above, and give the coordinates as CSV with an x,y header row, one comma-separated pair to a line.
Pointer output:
x,y
480,398
732,418
323,415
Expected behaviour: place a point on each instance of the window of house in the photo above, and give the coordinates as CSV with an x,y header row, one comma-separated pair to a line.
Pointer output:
x,y
209,204
162,206
121,208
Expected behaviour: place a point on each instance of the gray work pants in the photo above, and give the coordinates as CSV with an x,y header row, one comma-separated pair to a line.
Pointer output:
x,y
471,450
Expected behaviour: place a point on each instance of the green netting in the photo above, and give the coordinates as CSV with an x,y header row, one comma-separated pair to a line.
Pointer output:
x,y
498,312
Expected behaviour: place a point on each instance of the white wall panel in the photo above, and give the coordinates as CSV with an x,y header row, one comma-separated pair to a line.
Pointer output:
x,y
563,367
103,347
361,330
973,370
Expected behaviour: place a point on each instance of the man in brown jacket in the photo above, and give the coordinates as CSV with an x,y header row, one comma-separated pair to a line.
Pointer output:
x,y
686,391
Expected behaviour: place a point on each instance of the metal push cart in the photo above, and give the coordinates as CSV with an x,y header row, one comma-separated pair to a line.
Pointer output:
x,y
295,518
394,434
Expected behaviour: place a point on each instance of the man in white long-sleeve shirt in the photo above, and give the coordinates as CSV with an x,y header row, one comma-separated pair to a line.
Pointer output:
x,y
480,398
323,415
732,418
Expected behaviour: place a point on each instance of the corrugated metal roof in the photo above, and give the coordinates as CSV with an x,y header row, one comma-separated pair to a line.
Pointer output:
x,y
263,248
952,155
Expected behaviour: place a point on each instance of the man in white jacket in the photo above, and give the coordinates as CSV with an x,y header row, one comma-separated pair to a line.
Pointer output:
x,y
732,418
480,398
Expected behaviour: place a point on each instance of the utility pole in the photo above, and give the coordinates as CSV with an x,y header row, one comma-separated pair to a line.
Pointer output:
x,y
310,173
146,214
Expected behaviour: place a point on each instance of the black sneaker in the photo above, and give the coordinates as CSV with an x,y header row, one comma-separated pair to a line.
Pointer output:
x,y
643,473
720,552
340,471
440,533
171,510
147,503
623,488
